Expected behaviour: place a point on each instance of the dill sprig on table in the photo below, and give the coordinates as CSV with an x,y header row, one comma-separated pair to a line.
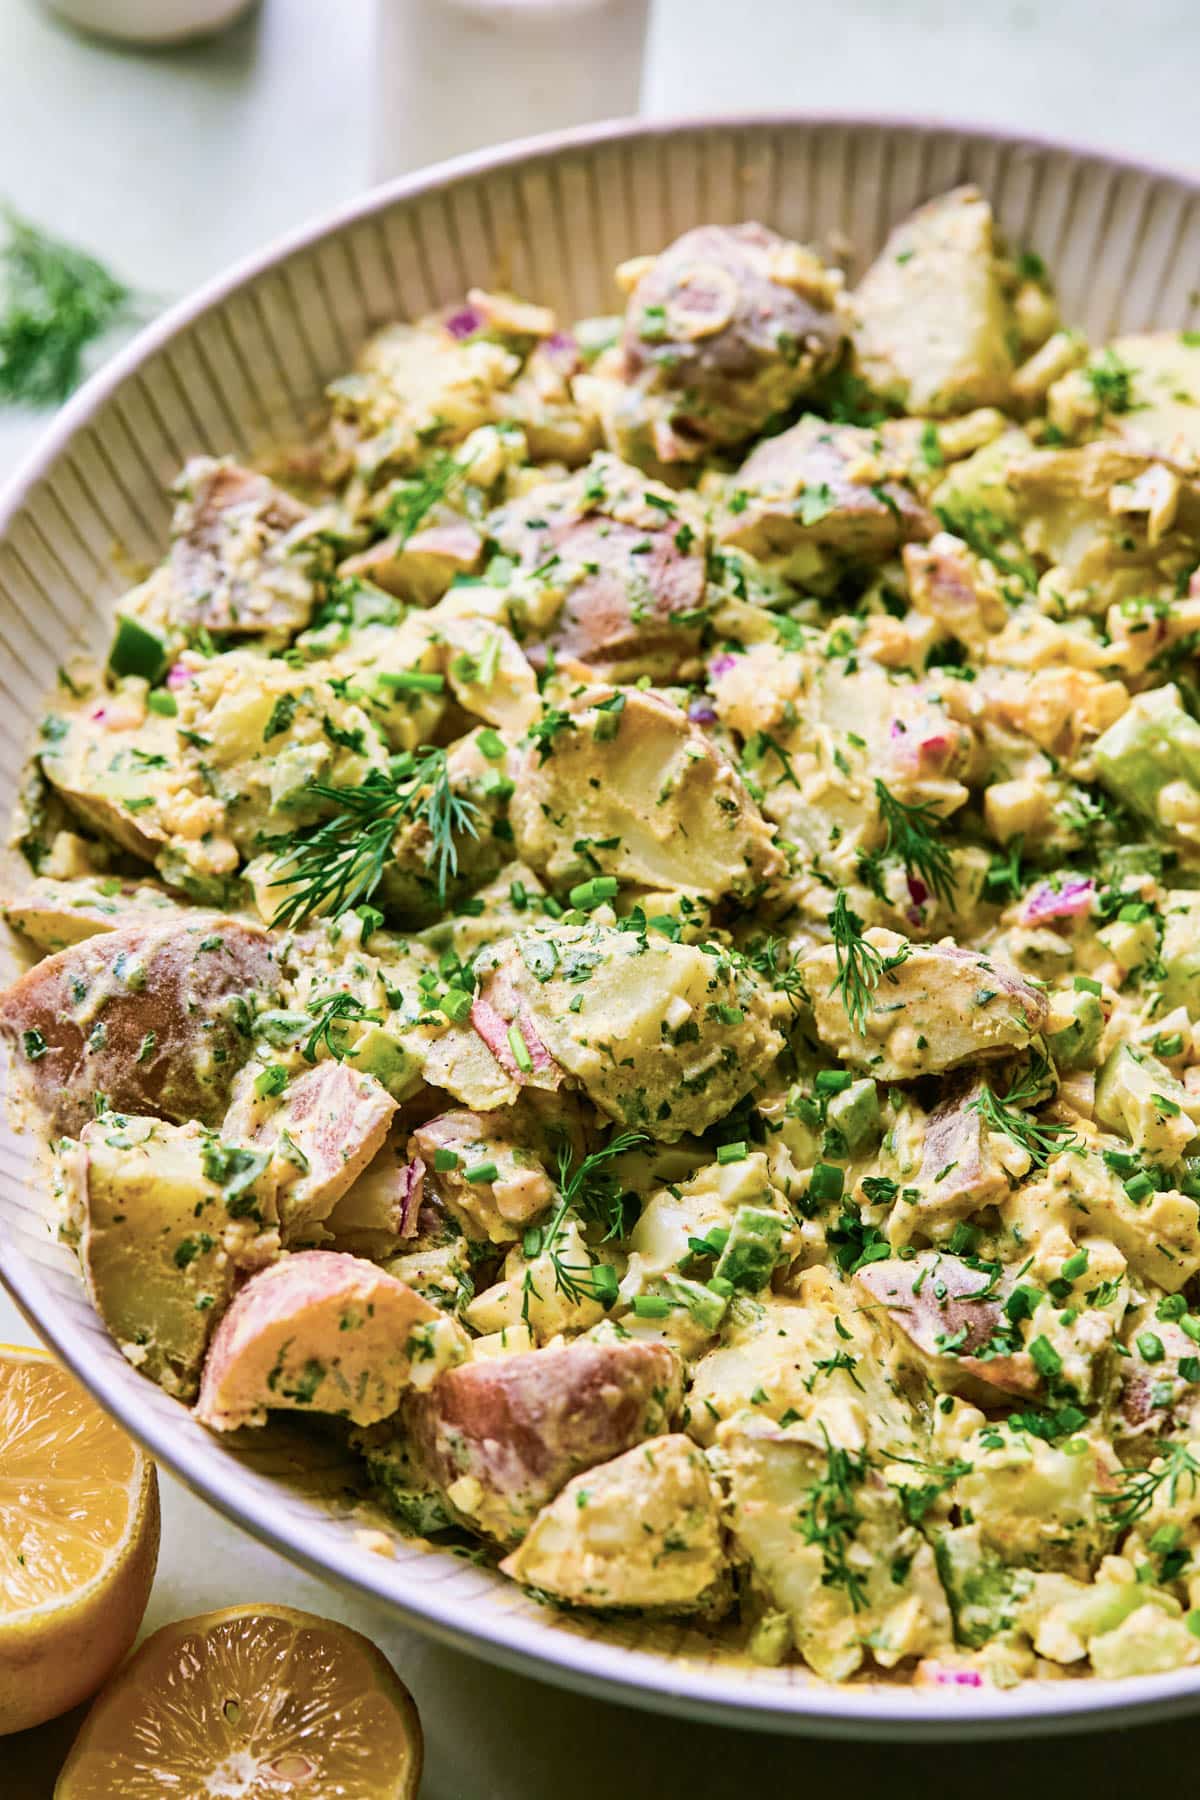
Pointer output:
x,y
341,862
54,301
860,966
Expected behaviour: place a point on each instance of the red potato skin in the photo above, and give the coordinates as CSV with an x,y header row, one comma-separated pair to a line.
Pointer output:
x,y
198,557
601,623
134,982
297,1309
523,1425
920,1318
636,581
714,374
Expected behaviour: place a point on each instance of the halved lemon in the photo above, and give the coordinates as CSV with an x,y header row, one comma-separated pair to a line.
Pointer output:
x,y
78,1540
251,1703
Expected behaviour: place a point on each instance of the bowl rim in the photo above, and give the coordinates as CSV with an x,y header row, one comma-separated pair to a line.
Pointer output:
x,y
589,1665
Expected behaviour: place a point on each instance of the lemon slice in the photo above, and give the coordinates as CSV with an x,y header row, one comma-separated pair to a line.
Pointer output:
x,y
250,1704
78,1540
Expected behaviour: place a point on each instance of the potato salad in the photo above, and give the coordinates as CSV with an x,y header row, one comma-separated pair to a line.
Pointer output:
x,y
623,923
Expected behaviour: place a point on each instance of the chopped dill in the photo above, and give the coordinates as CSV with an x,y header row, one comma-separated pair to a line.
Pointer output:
x,y
1040,1140
860,966
912,837
1138,1488
341,862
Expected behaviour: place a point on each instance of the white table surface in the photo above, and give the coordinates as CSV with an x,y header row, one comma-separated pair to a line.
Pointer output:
x,y
174,164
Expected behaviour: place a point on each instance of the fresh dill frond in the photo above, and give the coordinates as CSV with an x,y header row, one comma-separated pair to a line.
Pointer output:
x,y
1138,1488
341,862
828,1518
326,1015
54,301
1036,1137
770,958
412,501
916,1499
1111,381
860,966
590,1188
912,836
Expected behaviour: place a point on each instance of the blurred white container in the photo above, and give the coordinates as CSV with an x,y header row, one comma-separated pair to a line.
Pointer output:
x,y
151,21
452,75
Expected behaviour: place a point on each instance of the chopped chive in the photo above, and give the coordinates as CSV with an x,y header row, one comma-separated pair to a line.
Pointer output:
x,y
481,1171
651,1306
593,893
490,743
456,1003
412,681
445,1160
517,1045
826,1182
731,1153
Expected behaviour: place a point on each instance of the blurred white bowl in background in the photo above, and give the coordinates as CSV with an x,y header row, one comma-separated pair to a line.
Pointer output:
x,y
151,21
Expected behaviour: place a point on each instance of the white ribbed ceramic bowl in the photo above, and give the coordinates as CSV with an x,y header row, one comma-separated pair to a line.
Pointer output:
x,y
242,365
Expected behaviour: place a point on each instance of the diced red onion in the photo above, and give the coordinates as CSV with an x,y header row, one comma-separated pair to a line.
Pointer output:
x,y
178,675
1071,901
492,1027
702,712
465,322
721,665
413,1177
959,1678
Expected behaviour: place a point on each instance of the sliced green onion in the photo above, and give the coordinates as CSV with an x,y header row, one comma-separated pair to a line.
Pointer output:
x,y
412,681
651,1306
137,650
520,1050
481,1171
593,893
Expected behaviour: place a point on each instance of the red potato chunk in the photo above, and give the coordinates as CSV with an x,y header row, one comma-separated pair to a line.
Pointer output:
x,y
501,1436
1155,1399
941,1314
497,1011
421,566
54,914
826,485
322,1332
156,1018
497,1209
238,561
330,1123
728,326
955,588
627,559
